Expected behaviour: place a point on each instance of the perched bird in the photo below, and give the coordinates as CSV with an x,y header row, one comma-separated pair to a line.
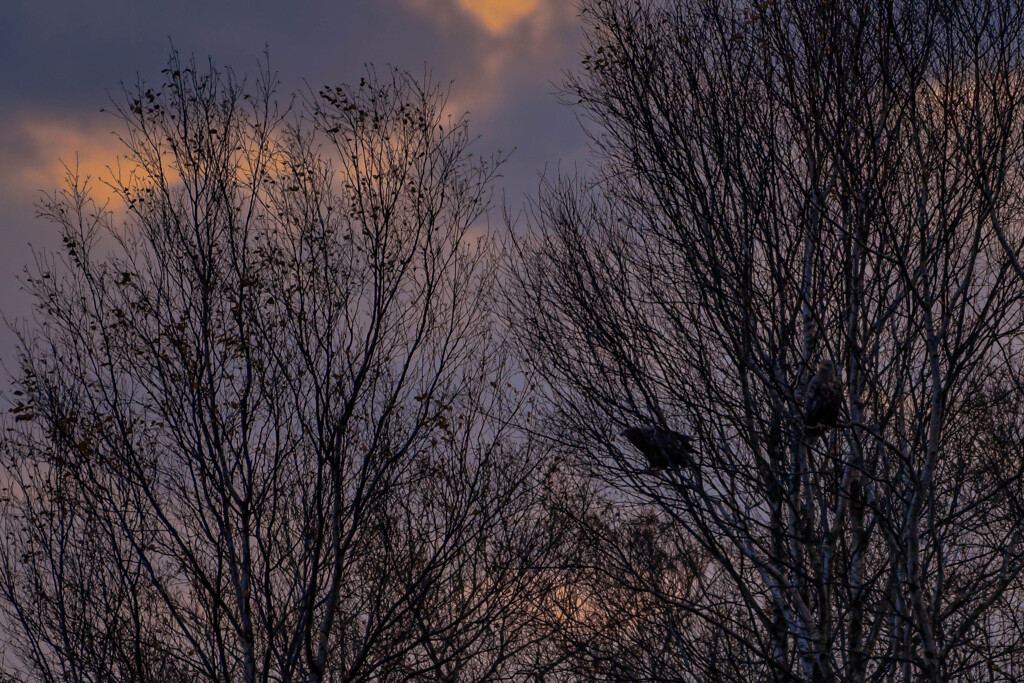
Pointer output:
x,y
662,447
823,400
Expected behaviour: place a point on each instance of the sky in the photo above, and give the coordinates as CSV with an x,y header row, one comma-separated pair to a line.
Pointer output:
x,y
62,61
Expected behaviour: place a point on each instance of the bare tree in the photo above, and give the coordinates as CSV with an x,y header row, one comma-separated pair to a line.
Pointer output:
x,y
780,184
264,423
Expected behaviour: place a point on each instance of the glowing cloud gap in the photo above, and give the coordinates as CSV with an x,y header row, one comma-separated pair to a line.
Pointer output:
x,y
498,16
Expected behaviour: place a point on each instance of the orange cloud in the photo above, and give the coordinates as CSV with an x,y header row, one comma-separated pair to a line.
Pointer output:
x,y
49,146
498,16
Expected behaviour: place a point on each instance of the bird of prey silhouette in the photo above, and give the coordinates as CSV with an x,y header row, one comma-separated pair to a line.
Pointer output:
x,y
823,400
662,447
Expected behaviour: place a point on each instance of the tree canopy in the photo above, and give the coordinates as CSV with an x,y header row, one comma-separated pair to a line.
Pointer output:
x,y
741,403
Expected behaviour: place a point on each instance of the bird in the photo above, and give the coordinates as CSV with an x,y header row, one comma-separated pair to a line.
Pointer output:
x,y
662,447
823,400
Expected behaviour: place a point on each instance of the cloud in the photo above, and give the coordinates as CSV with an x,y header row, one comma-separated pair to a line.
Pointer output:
x,y
504,57
497,16
503,47
40,150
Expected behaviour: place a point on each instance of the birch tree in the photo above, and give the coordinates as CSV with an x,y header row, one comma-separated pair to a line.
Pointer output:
x,y
775,185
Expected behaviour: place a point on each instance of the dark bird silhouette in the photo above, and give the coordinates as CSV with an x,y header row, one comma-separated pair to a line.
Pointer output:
x,y
662,447
823,400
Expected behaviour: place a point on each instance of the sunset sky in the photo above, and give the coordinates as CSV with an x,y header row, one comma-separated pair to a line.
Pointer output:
x,y
63,60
